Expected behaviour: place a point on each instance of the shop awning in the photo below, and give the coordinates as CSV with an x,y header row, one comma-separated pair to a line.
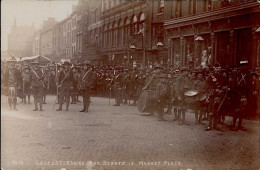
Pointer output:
x,y
40,59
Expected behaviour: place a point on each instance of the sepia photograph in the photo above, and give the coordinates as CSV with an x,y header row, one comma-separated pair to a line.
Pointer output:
x,y
130,85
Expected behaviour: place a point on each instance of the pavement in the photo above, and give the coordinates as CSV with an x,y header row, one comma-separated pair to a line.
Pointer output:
x,y
110,137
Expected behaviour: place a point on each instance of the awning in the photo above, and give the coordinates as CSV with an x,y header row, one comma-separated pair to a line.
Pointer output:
x,y
40,59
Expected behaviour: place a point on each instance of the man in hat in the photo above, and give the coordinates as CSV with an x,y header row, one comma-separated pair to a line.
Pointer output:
x,y
173,98
162,94
74,92
199,84
12,81
242,89
86,85
26,83
117,80
36,81
215,96
51,79
183,84
65,79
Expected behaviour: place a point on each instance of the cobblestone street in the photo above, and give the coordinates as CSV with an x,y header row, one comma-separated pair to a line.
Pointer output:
x,y
118,135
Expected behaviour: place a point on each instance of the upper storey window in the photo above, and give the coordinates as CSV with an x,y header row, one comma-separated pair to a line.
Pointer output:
x,y
161,6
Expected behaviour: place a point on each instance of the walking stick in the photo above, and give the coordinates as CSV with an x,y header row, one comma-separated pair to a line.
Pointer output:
x,y
109,95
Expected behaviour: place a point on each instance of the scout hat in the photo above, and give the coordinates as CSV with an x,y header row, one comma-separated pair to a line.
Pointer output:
x,y
185,69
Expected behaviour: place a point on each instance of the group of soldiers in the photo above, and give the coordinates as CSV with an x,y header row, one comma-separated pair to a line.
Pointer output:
x,y
22,81
211,92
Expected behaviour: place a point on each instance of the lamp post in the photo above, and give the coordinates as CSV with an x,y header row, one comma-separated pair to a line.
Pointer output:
x,y
159,46
132,48
198,39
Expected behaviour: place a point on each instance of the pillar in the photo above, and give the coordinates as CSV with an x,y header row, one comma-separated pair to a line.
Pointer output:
x,y
182,50
170,51
255,58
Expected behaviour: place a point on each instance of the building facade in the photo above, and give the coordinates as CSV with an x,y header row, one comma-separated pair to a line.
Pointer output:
x,y
57,41
203,33
67,38
74,16
93,32
46,42
36,44
20,40
124,32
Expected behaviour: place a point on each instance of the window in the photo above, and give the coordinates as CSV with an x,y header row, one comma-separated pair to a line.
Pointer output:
x,y
134,25
209,5
178,9
126,30
120,32
161,6
114,34
109,39
225,3
194,6
141,23
158,34
109,4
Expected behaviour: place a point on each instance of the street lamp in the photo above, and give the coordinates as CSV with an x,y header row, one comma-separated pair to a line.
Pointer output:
x,y
159,44
159,47
198,41
132,48
199,38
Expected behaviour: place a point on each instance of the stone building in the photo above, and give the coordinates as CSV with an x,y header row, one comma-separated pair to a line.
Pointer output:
x,y
46,38
203,33
57,41
20,40
124,32
36,44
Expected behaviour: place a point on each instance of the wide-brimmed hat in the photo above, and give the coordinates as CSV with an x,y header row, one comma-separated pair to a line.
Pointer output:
x,y
26,67
66,63
185,69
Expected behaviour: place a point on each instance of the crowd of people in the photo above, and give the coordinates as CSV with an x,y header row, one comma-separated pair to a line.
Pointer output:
x,y
211,92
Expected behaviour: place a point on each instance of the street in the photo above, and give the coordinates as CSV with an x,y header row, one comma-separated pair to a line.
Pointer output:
x,y
120,138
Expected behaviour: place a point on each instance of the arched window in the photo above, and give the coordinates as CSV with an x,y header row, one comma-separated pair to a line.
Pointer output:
x,y
160,6
134,25
114,34
104,35
126,30
141,22
109,29
120,32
